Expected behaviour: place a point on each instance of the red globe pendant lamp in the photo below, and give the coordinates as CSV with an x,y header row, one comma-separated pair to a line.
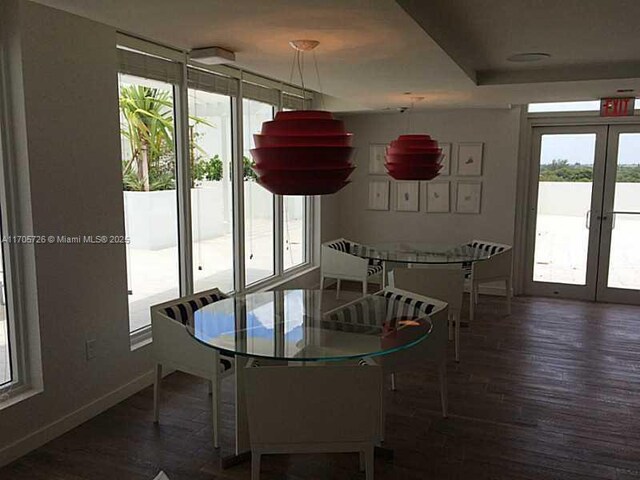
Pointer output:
x,y
413,157
303,152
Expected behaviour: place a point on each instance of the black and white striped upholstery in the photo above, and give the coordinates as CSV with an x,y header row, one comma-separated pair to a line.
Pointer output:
x,y
364,313
492,248
183,312
374,267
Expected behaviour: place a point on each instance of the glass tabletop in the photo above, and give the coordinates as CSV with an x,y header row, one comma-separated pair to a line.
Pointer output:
x,y
308,325
407,252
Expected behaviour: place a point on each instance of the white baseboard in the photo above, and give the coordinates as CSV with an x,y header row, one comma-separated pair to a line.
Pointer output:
x,y
68,422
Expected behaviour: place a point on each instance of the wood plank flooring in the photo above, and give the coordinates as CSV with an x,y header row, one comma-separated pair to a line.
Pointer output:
x,y
550,392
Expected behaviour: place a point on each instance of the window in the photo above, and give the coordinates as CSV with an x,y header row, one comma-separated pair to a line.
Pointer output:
x,y
6,367
150,201
259,232
294,231
211,190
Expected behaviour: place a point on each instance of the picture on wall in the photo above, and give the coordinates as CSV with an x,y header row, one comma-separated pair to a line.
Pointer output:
x,y
379,195
438,197
407,196
377,152
470,159
469,197
446,159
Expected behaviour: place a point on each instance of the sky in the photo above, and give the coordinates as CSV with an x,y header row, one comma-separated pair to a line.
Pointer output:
x,y
579,148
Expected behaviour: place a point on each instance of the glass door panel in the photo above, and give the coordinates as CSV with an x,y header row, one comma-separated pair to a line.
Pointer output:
x,y
564,203
566,189
620,253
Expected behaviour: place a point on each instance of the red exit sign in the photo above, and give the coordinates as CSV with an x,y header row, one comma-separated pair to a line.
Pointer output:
x,y
617,107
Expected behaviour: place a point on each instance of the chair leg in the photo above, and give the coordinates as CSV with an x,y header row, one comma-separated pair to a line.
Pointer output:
x,y
338,288
393,382
457,335
442,373
365,288
255,465
321,282
476,294
472,305
156,393
450,322
369,463
509,287
210,387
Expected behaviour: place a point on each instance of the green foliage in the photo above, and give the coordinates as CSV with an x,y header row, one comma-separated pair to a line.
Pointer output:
x,y
210,169
247,173
562,171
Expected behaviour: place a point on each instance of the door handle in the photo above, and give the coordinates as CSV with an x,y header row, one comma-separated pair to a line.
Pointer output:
x,y
587,222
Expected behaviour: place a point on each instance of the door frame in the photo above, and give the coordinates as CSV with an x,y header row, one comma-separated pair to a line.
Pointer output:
x,y
580,292
522,222
603,292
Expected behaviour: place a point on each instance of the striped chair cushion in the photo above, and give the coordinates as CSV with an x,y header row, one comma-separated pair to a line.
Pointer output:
x,y
373,269
341,246
366,313
183,311
492,248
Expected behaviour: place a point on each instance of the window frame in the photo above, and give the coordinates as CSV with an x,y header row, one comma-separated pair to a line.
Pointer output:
x,y
237,78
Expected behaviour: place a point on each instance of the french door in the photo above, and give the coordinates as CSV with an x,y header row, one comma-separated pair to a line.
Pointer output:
x,y
584,213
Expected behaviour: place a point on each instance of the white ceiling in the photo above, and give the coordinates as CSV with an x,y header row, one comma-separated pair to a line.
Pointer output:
x,y
371,52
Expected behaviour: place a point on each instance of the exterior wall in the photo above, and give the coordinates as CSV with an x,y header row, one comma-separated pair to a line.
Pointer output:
x,y
498,129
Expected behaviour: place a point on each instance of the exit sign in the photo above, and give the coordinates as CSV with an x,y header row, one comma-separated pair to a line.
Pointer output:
x,y
617,106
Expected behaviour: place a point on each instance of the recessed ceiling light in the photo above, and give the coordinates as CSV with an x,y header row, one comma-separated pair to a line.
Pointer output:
x,y
528,57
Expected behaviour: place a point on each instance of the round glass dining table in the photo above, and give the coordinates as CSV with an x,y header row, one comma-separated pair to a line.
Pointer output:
x,y
307,326
290,326
425,253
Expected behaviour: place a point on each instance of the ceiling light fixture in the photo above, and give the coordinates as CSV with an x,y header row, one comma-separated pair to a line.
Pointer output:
x,y
413,157
303,152
528,57
212,55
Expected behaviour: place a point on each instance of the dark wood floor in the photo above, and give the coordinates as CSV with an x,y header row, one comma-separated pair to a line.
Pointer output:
x,y
550,392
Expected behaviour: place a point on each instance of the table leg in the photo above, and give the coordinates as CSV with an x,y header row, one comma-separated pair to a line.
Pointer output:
x,y
243,448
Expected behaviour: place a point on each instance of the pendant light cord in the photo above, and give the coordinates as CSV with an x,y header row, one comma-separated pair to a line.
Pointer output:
x,y
315,61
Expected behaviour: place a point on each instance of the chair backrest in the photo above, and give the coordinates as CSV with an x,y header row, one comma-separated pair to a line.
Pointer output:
x,y
445,284
431,349
172,344
499,265
313,404
339,244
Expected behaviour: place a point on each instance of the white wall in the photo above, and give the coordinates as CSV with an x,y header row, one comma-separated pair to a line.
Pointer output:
x,y
498,129
69,174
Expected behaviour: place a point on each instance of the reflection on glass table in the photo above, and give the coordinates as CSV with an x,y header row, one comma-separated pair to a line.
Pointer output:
x,y
308,325
409,252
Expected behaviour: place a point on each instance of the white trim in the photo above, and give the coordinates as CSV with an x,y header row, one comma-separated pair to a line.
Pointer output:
x,y
58,427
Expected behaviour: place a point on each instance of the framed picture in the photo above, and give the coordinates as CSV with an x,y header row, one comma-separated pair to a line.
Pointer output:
x,y
446,159
469,197
407,196
377,152
438,197
470,159
379,195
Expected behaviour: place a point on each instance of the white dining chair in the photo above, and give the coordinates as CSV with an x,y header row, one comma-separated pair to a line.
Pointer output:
x,y
446,284
338,261
432,349
314,409
497,268
174,348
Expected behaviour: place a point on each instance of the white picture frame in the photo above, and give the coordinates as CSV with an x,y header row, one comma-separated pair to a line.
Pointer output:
x,y
446,159
377,154
408,196
470,159
438,197
379,195
469,197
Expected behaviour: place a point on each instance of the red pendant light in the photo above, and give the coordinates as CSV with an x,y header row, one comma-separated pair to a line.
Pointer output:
x,y
413,157
304,152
